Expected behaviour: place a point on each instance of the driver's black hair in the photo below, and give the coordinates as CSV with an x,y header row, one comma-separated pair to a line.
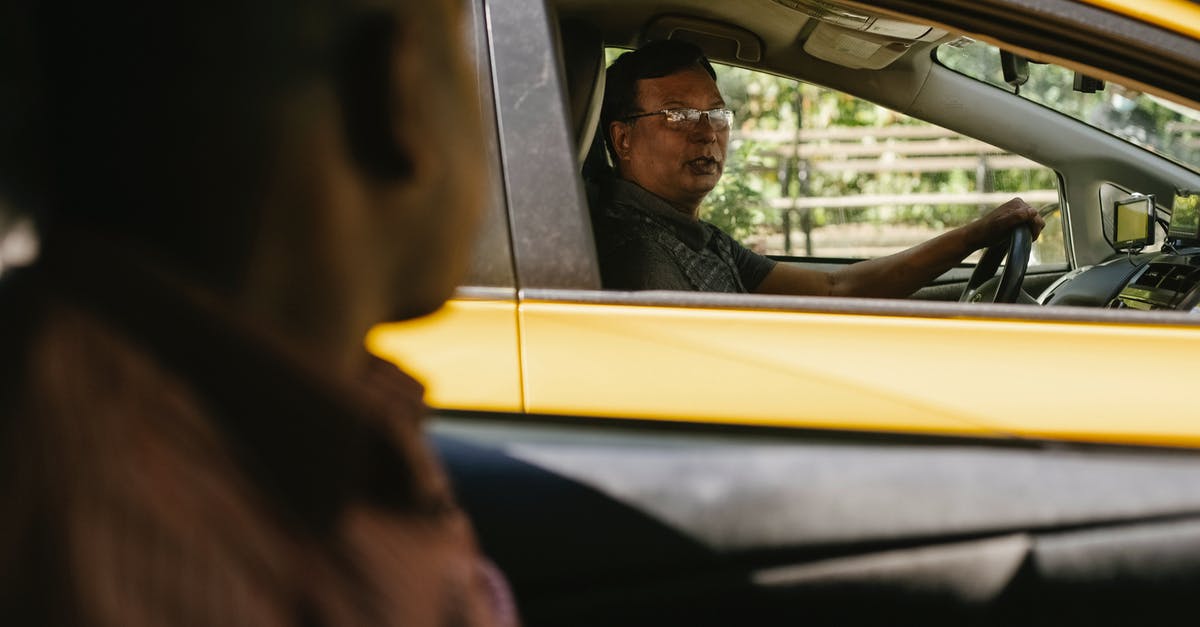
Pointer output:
x,y
653,60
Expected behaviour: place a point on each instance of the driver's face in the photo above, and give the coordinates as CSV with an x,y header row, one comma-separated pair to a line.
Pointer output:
x,y
681,166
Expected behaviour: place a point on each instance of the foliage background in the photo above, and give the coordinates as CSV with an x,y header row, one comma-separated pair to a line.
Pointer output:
x,y
754,176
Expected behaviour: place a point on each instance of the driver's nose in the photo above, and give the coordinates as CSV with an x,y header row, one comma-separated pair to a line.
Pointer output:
x,y
702,131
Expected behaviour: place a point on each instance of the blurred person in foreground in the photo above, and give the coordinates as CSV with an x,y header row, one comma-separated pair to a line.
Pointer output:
x,y
666,127
230,195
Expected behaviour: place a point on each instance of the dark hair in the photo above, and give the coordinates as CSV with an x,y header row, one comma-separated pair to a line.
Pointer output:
x,y
159,125
653,60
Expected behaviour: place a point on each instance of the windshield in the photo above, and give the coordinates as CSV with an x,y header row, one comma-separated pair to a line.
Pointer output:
x,y
1168,129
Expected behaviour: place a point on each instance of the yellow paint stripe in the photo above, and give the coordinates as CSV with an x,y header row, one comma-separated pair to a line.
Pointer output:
x,y
1058,380
1180,16
466,354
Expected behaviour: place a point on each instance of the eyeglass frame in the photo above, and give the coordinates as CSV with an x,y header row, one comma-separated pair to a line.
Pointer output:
x,y
707,113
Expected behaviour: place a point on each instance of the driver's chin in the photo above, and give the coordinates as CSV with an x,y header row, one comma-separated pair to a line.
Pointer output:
x,y
695,181
701,186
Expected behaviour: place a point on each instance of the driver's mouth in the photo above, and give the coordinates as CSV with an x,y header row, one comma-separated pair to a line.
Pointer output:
x,y
704,165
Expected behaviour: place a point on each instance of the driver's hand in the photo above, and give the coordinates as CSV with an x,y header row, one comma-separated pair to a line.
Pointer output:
x,y
994,226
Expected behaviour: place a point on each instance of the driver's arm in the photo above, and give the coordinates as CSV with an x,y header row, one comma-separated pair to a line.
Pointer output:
x,y
903,273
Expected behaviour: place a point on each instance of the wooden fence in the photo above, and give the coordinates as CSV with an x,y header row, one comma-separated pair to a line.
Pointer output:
x,y
870,150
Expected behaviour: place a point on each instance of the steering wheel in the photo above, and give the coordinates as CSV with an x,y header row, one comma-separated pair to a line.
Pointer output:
x,y
1016,249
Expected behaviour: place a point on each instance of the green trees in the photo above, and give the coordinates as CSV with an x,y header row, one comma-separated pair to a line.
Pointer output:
x,y
1159,125
796,145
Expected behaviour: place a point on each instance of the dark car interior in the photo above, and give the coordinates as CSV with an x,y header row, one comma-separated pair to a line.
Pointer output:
x,y
599,524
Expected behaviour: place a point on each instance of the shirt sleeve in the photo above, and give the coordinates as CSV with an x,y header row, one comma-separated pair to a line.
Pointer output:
x,y
752,267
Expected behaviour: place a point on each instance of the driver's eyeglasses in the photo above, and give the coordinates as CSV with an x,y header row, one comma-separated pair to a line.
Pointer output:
x,y
685,119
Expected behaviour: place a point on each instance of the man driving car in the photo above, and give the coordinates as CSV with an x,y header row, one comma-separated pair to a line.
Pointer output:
x,y
666,128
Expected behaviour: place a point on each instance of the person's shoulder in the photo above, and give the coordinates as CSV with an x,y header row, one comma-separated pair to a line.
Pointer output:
x,y
735,246
619,223
719,233
641,264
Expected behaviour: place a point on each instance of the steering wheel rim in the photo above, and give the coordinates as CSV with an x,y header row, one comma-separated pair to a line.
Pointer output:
x,y
1016,249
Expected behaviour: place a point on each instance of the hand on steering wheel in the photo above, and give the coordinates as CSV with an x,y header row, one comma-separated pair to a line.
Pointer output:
x,y
1016,248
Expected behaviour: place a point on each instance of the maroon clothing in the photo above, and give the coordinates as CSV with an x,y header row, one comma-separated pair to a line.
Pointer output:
x,y
166,464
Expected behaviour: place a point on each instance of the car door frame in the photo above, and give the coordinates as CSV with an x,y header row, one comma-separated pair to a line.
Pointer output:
x,y
559,305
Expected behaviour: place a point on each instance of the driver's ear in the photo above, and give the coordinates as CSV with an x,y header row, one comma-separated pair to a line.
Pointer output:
x,y
620,132
372,78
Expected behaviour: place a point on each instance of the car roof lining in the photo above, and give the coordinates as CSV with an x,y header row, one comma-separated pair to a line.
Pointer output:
x,y
783,31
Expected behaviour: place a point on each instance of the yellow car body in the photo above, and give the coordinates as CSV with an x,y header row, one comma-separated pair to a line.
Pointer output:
x,y
760,367
1178,15
811,362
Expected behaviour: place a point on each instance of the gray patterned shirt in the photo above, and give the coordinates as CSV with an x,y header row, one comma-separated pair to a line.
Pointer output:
x,y
646,244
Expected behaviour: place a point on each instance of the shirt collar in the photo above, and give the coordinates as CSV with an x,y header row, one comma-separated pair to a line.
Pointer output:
x,y
689,230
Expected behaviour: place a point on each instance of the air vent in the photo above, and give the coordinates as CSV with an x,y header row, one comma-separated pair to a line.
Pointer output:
x,y
1154,275
1182,280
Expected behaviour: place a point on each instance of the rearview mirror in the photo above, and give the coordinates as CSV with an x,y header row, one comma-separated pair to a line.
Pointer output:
x,y
1015,68
1086,84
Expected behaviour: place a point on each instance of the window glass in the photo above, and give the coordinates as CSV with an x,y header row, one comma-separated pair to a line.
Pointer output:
x,y
814,172
1170,130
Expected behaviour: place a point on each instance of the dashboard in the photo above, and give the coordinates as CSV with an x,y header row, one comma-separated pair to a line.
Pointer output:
x,y
1147,282
1168,279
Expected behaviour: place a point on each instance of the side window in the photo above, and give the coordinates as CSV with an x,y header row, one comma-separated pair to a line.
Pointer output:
x,y
813,172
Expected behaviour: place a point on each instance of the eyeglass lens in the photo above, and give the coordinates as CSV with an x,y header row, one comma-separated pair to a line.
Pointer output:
x,y
681,118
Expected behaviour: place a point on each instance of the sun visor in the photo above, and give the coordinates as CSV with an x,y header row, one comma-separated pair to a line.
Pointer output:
x,y
864,49
858,39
